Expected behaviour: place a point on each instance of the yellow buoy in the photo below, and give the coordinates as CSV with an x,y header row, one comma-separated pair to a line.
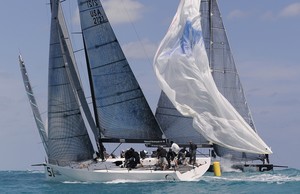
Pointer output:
x,y
217,168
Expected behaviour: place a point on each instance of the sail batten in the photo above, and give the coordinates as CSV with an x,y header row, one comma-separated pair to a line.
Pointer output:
x,y
110,63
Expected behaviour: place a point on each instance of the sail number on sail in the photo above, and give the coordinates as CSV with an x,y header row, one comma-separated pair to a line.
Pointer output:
x,y
92,3
96,14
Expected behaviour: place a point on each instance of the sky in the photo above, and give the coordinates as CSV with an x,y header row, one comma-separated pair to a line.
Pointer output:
x,y
264,39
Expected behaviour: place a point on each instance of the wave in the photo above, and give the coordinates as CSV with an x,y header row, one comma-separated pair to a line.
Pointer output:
x,y
22,172
118,181
75,182
35,171
277,176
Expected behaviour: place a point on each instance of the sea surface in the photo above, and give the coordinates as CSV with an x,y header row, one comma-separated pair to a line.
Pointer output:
x,y
285,181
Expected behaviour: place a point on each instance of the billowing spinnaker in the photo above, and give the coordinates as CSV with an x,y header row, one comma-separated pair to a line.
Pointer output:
x,y
182,68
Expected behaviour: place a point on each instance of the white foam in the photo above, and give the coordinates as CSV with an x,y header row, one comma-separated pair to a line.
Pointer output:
x,y
35,171
255,177
117,181
75,182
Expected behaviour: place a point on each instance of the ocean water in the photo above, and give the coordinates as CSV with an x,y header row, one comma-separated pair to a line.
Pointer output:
x,y
277,181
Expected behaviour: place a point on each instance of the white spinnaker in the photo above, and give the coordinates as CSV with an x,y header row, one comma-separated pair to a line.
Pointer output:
x,y
182,68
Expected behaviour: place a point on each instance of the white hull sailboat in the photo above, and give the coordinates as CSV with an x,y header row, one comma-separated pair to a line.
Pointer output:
x,y
107,171
121,112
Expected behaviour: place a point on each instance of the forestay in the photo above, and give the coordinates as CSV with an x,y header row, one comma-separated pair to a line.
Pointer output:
x,y
182,68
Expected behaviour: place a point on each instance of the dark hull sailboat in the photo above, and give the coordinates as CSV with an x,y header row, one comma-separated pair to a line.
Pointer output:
x,y
225,78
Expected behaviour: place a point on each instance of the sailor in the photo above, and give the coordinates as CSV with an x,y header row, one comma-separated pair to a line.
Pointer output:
x,y
102,149
171,156
175,148
130,159
267,158
213,154
143,154
161,155
193,148
137,159
122,155
181,155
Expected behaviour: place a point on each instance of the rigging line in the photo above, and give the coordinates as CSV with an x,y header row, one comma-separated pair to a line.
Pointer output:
x,y
74,38
138,37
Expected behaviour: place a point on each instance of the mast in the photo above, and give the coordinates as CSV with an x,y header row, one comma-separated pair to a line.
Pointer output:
x,y
99,138
211,37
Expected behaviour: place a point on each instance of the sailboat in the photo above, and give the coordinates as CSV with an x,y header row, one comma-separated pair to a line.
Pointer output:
x,y
201,88
121,112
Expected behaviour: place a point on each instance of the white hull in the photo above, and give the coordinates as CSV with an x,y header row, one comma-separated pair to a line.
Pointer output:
x,y
108,171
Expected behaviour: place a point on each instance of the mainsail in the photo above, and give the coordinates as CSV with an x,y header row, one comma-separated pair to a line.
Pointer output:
x,y
176,127
122,112
224,70
182,68
34,106
68,139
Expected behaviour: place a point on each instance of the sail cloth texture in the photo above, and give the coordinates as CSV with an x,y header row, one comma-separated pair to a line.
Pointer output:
x,y
172,122
182,68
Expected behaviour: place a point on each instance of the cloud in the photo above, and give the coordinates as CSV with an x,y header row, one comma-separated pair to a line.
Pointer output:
x,y
140,50
270,70
123,11
269,15
236,14
118,11
291,10
270,79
